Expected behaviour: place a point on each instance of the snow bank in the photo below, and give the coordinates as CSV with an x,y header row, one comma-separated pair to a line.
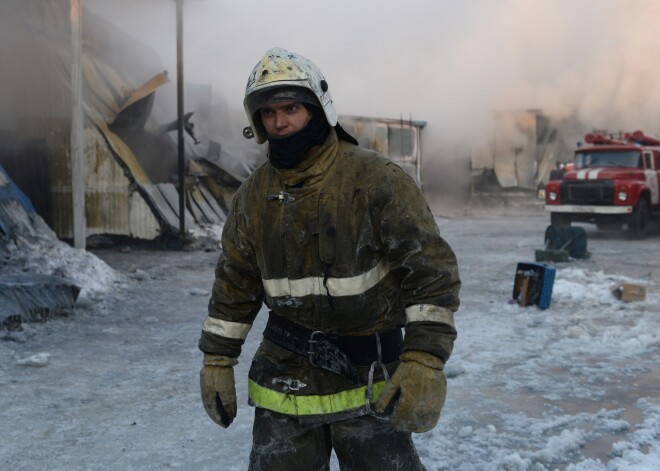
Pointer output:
x,y
525,379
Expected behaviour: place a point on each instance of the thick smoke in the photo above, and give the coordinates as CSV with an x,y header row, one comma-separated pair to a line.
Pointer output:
x,y
587,65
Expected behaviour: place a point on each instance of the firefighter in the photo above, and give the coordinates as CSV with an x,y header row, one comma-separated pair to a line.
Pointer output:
x,y
340,245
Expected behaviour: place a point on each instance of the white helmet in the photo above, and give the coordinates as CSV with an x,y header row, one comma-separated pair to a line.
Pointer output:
x,y
281,75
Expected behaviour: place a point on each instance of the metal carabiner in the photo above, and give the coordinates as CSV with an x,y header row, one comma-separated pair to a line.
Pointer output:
x,y
369,393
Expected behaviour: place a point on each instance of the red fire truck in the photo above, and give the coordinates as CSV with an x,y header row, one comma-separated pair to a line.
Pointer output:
x,y
614,181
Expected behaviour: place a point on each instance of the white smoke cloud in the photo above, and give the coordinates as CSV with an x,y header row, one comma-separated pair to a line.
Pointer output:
x,y
445,62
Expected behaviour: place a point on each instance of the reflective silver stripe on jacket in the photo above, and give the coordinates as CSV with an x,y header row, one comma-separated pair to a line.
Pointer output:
x,y
429,313
232,330
313,285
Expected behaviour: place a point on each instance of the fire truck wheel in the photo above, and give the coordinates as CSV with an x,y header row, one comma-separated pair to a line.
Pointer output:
x,y
639,220
560,219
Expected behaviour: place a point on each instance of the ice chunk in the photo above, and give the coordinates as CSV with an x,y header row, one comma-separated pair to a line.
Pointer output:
x,y
38,359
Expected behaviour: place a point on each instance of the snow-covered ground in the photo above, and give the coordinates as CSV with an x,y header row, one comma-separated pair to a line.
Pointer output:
x,y
574,387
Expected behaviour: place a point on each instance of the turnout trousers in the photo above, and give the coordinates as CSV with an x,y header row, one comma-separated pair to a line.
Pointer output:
x,y
282,443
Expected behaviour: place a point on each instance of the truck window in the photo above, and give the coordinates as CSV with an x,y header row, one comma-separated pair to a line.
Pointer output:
x,y
620,158
648,160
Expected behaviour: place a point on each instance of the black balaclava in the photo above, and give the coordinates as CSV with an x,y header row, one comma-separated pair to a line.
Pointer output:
x,y
288,152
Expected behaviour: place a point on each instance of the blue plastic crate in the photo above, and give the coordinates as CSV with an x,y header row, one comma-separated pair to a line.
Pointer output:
x,y
533,284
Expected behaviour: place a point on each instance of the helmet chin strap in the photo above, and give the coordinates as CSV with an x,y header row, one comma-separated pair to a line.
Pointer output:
x,y
289,151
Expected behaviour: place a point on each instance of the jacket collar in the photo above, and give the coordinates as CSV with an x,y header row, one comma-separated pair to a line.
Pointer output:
x,y
314,167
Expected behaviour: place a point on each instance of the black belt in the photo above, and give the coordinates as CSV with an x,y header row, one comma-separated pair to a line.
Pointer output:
x,y
339,354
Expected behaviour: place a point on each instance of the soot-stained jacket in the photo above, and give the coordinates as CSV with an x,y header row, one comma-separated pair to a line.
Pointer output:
x,y
345,244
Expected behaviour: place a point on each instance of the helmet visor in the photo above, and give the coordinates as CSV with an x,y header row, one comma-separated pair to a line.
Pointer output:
x,y
257,100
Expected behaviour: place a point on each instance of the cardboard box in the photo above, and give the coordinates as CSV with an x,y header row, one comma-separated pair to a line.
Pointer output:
x,y
532,284
629,292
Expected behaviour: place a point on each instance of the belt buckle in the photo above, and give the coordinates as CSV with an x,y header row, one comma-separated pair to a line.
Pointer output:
x,y
311,352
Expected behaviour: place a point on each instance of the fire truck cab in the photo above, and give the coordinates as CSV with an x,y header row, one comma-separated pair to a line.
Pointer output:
x,y
613,182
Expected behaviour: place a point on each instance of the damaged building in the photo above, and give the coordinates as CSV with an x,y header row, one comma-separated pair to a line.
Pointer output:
x,y
398,139
131,190
525,146
130,151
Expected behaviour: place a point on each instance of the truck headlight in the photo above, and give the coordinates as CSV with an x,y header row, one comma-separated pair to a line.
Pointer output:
x,y
622,195
552,195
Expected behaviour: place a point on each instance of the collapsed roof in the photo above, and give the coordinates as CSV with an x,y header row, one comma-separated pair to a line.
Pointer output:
x,y
130,157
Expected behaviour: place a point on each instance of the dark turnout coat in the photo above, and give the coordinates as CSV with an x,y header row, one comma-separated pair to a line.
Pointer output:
x,y
344,244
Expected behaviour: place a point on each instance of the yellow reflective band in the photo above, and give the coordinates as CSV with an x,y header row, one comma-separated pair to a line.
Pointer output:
x,y
337,287
429,313
311,405
232,330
